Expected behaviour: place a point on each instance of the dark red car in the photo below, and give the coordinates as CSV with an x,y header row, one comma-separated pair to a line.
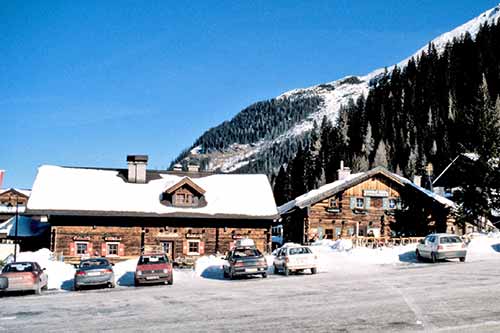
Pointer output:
x,y
20,276
153,268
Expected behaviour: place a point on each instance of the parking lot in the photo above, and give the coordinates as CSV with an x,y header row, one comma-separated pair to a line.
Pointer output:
x,y
448,296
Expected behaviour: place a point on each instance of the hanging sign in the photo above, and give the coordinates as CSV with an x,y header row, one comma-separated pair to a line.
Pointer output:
x,y
375,193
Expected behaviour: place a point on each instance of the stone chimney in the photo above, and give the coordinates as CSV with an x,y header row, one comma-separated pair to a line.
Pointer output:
x,y
137,168
417,180
343,172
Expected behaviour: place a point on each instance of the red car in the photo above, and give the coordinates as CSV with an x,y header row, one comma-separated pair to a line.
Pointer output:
x,y
19,276
153,268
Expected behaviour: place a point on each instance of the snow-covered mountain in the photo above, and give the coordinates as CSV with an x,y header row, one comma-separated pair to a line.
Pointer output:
x,y
332,94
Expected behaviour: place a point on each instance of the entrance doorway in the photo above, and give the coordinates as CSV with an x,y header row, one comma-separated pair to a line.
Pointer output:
x,y
168,248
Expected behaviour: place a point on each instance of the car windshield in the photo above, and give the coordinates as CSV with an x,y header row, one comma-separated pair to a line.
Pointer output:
x,y
151,260
18,267
299,250
248,252
450,240
94,263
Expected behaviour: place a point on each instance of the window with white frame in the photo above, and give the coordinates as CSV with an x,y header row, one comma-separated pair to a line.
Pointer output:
x,y
193,247
392,203
360,202
81,248
112,249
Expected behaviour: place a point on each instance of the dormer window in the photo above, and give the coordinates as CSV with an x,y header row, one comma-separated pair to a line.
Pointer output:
x,y
183,198
185,193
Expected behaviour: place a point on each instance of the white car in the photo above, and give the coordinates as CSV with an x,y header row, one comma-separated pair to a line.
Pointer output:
x,y
441,246
295,258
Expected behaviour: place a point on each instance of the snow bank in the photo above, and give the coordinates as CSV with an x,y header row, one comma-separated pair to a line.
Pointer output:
x,y
124,272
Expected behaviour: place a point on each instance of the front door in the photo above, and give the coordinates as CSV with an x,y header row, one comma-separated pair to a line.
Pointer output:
x,y
168,249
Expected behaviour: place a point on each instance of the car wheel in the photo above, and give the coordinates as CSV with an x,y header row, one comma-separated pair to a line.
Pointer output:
x,y
286,271
76,287
433,257
264,275
314,270
276,271
38,289
462,259
136,283
170,281
225,274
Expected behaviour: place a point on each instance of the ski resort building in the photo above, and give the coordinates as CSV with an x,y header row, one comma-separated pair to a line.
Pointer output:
x,y
375,203
119,213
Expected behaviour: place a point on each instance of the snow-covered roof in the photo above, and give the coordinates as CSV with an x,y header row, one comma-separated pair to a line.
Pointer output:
x,y
330,189
27,227
83,191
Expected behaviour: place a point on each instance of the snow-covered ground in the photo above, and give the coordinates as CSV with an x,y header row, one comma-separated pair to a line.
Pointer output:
x,y
332,256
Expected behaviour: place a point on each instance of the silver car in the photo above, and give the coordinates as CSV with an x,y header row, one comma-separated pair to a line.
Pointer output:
x,y
441,246
94,272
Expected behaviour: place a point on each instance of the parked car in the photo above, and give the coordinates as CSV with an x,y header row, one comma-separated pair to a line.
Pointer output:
x,y
245,261
94,272
295,258
19,276
441,246
153,268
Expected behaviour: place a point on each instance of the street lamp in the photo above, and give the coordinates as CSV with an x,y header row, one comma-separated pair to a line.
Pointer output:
x,y
17,216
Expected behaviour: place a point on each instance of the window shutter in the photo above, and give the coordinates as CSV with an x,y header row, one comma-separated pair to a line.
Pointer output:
x,y
353,202
202,248
121,249
320,232
385,203
185,247
72,249
367,202
103,249
89,249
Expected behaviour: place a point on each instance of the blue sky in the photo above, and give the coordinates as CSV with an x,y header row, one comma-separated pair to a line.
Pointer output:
x,y
85,83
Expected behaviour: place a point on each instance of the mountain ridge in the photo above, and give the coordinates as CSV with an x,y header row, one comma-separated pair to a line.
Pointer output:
x,y
333,95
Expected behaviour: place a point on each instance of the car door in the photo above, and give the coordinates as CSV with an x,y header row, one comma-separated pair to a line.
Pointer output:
x,y
426,248
42,277
229,259
278,260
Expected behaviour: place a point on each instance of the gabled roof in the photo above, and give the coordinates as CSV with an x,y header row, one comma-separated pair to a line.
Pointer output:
x,y
96,192
331,189
16,191
185,181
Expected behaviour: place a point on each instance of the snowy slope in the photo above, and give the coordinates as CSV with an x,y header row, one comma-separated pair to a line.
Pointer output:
x,y
335,94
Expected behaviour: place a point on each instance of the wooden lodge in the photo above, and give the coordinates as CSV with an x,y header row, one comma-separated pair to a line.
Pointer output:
x,y
12,201
377,203
120,213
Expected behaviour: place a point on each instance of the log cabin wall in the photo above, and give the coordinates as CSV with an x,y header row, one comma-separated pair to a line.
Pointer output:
x,y
338,215
124,238
73,242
